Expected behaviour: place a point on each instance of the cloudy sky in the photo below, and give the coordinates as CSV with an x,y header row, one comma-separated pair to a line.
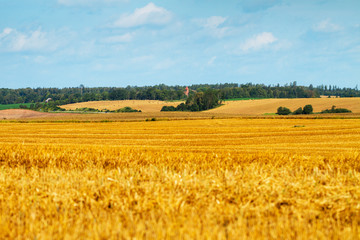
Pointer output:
x,y
65,43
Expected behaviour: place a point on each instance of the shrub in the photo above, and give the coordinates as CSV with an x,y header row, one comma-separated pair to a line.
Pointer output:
x,y
308,109
336,110
283,111
127,109
85,109
168,109
298,111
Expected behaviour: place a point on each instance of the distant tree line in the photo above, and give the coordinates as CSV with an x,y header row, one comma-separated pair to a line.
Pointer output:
x,y
225,91
337,91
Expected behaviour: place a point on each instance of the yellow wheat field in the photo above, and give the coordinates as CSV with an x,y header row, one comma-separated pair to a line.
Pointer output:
x,y
194,179
146,106
262,106
244,107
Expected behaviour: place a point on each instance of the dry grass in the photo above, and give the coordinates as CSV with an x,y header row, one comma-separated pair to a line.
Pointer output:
x,y
262,106
146,106
195,179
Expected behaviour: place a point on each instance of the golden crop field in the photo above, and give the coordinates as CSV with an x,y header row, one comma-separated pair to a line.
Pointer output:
x,y
243,107
183,179
143,105
262,106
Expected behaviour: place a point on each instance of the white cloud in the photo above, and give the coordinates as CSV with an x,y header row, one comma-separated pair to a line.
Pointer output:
x,y
88,2
120,39
326,26
12,40
212,60
212,24
34,41
5,32
259,41
214,21
150,14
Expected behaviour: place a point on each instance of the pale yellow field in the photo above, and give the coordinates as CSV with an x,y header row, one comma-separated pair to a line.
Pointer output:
x,y
263,106
188,179
146,106
245,107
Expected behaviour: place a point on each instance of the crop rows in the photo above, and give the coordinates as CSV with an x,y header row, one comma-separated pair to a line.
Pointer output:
x,y
196,179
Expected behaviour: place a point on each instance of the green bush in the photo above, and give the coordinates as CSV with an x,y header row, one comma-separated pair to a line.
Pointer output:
x,y
85,109
336,110
298,111
308,109
168,109
283,111
127,109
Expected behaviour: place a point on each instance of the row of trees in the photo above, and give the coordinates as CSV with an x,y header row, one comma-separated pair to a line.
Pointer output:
x,y
164,92
308,109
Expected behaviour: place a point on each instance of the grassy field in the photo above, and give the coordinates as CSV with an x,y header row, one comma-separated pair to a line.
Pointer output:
x,y
13,106
193,179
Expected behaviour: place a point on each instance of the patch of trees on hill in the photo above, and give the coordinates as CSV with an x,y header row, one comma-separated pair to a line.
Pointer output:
x,y
199,102
308,109
163,92
336,110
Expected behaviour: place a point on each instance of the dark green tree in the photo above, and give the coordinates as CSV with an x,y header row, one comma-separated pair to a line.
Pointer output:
x,y
308,109
298,111
283,111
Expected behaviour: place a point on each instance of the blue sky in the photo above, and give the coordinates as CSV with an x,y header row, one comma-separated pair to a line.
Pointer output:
x,y
65,43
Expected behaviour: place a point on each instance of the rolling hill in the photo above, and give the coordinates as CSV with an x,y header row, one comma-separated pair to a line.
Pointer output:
x,y
146,106
263,106
244,107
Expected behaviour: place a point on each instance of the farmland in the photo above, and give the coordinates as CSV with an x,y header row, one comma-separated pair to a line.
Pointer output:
x,y
143,105
242,107
184,179
262,106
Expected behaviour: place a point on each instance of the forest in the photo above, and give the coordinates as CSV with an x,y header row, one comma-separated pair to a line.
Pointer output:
x,y
60,96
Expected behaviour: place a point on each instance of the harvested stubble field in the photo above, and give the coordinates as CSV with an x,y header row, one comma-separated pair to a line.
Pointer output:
x,y
143,105
194,179
262,106
243,107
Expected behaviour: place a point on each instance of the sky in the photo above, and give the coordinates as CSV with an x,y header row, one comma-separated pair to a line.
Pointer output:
x,y
116,43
